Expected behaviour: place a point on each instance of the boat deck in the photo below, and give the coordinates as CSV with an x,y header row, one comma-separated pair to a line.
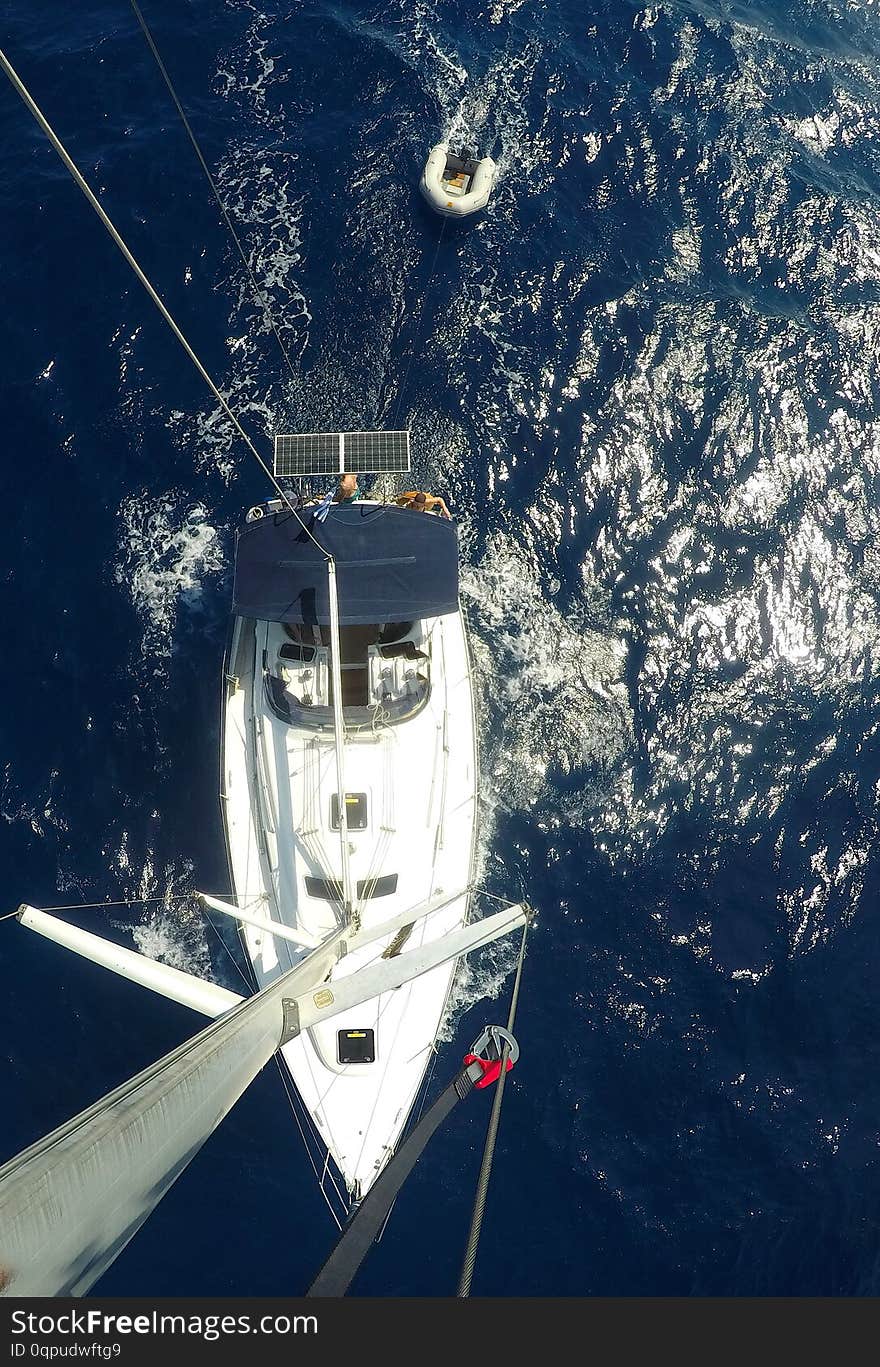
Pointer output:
x,y
415,779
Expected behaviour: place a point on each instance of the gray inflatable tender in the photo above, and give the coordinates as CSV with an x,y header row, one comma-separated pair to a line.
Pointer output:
x,y
456,185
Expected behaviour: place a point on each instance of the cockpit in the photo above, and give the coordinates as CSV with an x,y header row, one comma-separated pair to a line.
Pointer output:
x,y
385,671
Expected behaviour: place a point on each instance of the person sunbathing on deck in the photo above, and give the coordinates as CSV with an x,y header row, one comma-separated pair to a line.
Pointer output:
x,y
421,502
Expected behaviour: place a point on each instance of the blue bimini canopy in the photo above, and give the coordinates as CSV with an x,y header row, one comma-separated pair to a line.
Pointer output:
x,y
392,565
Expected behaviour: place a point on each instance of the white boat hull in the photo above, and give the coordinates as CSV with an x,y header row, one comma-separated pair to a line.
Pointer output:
x,y
419,776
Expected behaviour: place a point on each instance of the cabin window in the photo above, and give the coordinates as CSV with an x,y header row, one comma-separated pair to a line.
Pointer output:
x,y
330,891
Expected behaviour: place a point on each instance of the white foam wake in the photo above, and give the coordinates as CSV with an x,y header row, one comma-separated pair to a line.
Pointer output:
x,y
166,551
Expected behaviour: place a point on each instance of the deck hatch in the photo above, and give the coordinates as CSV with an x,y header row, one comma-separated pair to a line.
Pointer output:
x,y
356,1046
355,811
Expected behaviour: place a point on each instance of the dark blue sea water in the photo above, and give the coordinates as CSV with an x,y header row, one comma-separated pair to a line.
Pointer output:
x,y
647,383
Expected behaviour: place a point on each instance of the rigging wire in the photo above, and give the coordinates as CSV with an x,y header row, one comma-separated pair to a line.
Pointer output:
x,y
470,1257
131,902
80,180
260,295
304,1137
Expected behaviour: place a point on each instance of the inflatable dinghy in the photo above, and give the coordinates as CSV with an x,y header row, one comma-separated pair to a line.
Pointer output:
x,y
457,185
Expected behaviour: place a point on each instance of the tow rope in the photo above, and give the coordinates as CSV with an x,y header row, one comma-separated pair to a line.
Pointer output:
x,y
496,1048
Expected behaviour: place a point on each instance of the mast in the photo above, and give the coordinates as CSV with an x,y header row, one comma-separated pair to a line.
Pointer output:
x,y
339,739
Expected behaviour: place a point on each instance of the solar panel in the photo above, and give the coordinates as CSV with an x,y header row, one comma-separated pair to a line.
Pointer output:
x,y
332,453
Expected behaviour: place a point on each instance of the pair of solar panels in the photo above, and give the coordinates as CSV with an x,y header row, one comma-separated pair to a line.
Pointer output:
x,y
336,453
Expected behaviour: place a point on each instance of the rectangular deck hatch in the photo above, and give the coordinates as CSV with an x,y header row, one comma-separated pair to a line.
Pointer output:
x,y
356,1046
355,811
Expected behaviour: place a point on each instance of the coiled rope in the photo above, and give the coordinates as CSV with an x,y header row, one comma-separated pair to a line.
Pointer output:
x,y
260,296
470,1257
